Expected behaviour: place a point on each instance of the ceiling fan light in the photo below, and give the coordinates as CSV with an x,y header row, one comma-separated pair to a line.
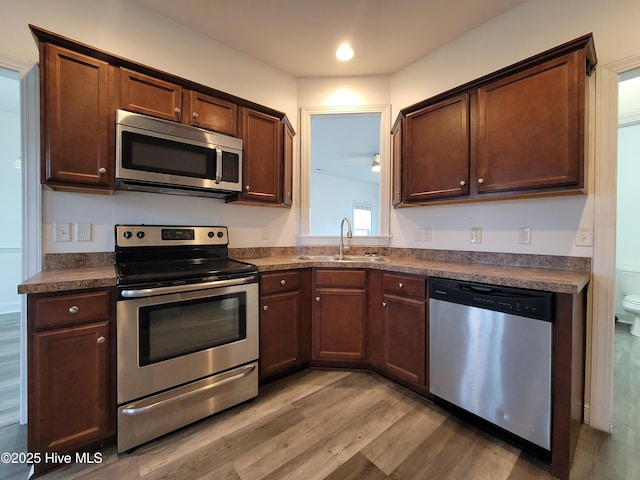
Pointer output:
x,y
375,166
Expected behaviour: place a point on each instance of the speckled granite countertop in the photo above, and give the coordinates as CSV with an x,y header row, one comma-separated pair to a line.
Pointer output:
x,y
548,273
558,281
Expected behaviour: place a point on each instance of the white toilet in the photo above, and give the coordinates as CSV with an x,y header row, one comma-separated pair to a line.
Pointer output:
x,y
628,285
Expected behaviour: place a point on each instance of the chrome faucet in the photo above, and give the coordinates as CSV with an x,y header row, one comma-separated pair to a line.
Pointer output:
x,y
349,235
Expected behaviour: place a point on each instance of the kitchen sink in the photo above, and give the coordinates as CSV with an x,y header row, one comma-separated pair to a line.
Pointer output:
x,y
345,258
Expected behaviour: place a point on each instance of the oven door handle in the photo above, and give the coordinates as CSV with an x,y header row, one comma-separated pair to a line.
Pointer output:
x,y
133,410
149,292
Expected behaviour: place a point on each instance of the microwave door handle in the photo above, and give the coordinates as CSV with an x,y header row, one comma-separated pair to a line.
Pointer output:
x,y
218,164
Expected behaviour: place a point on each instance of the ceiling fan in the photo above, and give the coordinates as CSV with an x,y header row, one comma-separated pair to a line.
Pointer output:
x,y
374,163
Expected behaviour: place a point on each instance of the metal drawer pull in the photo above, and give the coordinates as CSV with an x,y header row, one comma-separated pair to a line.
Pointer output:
x,y
481,180
462,183
102,170
282,282
177,111
195,114
265,308
384,304
74,309
317,299
133,410
101,340
400,285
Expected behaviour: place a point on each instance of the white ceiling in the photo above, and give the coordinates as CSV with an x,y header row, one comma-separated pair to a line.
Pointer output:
x,y
300,37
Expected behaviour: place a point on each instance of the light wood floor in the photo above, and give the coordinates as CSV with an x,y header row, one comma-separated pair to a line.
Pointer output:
x,y
353,425
9,368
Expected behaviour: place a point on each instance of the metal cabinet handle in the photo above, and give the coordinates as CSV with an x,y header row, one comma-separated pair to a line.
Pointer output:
x,y
247,188
101,340
384,304
462,183
265,308
73,309
481,180
102,170
177,110
282,282
195,114
400,285
317,299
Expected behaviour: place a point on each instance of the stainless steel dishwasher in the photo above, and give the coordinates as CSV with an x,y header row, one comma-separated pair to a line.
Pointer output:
x,y
490,354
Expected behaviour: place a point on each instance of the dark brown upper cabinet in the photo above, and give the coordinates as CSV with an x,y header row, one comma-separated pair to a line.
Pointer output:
x,y
77,117
517,132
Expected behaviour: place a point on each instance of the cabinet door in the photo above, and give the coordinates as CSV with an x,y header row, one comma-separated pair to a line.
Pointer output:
x,y
150,96
531,128
212,113
404,322
436,149
287,180
78,136
279,333
396,154
68,387
338,323
262,159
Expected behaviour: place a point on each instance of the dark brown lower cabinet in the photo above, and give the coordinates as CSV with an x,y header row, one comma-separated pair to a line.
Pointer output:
x,y
284,322
405,338
339,315
397,328
71,383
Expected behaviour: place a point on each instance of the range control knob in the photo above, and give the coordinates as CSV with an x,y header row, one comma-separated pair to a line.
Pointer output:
x,y
127,234
140,235
220,234
211,234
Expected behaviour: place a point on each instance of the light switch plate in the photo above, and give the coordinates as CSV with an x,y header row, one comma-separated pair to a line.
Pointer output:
x,y
61,232
584,237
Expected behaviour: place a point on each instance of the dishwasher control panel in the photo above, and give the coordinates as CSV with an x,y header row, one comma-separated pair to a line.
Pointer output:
x,y
516,301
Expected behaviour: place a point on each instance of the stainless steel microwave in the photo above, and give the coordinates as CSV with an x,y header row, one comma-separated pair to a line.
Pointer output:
x,y
160,156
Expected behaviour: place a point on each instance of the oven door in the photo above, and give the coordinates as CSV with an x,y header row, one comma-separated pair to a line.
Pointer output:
x,y
174,335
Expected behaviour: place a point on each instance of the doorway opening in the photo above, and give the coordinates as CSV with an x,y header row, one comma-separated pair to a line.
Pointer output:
x,y
626,378
10,245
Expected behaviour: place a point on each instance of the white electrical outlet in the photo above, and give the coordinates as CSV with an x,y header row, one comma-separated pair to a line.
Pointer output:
x,y
61,232
426,234
417,234
524,236
476,235
83,232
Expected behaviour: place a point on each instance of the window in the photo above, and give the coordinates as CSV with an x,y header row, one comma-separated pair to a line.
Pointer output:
x,y
330,190
361,219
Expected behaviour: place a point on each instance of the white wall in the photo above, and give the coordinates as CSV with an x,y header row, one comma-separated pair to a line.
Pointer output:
x,y
335,196
628,229
126,29
10,194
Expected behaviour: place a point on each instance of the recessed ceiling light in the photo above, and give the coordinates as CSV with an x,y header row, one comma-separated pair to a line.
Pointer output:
x,y
344,52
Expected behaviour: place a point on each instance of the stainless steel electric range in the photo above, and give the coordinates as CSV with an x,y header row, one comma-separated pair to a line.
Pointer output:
x,y
187,321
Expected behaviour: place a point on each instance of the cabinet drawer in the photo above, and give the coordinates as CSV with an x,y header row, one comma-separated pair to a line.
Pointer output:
x,y
55,310
279,282
404,285
340,278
